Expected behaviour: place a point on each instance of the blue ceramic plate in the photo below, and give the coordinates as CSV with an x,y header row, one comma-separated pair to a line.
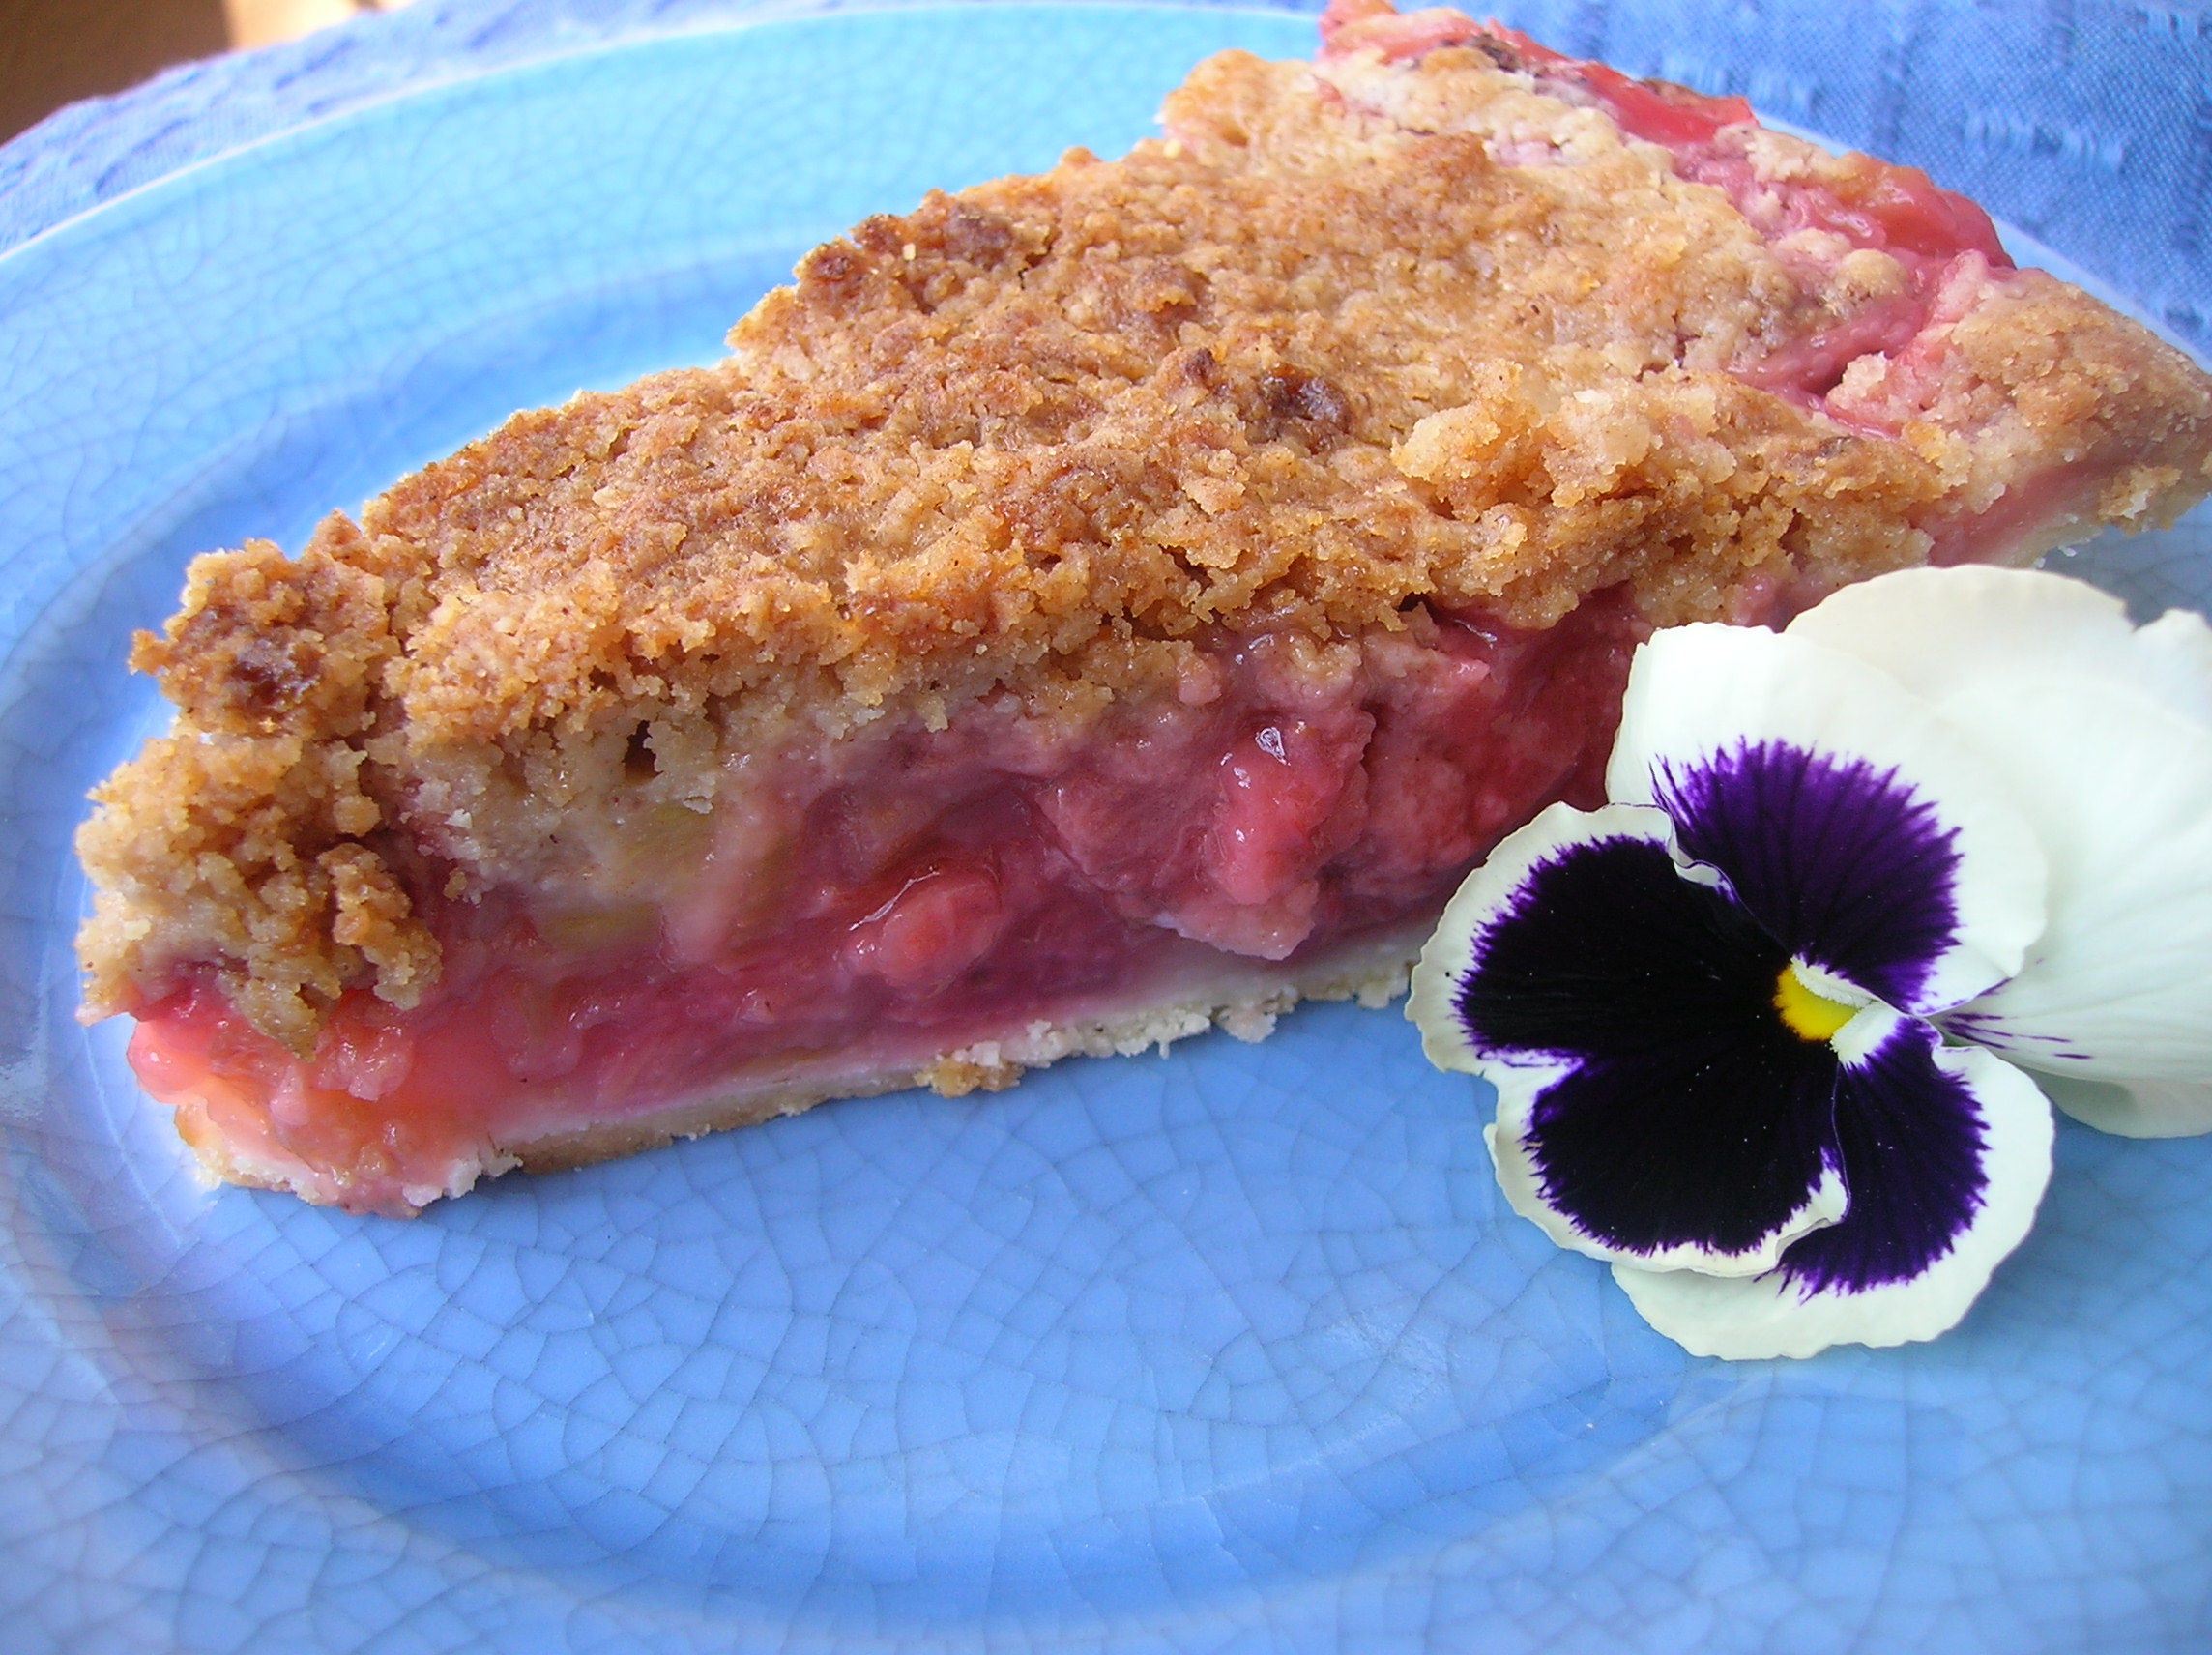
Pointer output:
x,y
1236,1350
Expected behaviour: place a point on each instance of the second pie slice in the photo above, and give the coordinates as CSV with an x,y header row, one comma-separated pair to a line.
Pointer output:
x,y
1081,610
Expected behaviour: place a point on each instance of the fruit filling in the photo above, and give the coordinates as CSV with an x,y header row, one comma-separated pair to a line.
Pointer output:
x,y
882,901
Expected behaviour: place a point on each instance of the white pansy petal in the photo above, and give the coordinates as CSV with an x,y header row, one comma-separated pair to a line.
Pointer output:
x,y
2119,986
1841,1285
2134,1108
2175,656
1853,821
1940,630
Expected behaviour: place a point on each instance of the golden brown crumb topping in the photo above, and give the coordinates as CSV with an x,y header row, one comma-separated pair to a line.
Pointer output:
x,y
1295,368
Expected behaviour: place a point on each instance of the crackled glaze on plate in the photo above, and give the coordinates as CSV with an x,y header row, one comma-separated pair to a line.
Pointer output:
x,y
1235,1350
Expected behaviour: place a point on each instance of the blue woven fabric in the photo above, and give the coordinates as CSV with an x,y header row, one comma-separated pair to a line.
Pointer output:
x,y
2084,122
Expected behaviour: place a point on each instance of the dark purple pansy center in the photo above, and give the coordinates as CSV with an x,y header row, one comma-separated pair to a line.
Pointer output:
x,y
1689,1112
1912,1143
1843,864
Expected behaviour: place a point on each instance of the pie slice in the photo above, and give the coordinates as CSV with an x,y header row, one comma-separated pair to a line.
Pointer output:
x,y
1081,610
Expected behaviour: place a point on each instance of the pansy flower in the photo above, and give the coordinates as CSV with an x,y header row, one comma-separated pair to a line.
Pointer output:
x,y
1743,1023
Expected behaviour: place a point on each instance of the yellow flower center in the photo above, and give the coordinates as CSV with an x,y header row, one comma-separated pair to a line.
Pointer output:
x,y
1809,1016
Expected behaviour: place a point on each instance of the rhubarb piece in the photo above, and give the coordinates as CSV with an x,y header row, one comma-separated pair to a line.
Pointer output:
x,y
1081,610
